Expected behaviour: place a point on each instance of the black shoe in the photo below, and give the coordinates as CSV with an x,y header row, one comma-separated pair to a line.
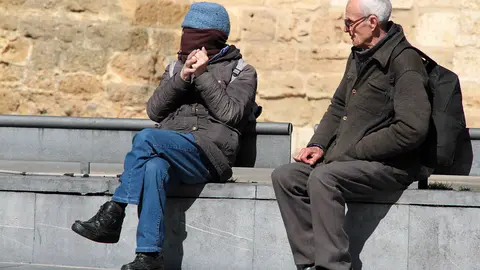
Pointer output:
x,y
105,226
146,261
306,267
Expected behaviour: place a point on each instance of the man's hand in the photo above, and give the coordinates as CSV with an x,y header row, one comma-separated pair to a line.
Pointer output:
x,y
188,68
309,155
202,61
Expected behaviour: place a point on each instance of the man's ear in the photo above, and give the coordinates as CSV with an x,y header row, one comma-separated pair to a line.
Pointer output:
x,y
373,21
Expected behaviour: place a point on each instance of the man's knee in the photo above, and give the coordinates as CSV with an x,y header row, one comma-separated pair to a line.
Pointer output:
x,y
288,176
322,178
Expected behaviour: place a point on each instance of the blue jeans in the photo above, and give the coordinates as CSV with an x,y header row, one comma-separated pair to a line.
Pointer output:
x,y
157,156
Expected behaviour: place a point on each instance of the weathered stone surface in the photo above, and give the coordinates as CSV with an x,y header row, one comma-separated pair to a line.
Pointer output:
x,y
134,68
296,26
43,4
166,42
466,4
12,3
469,26
10,73
407,19
76,59
41,27
258,25
46,54
328,29
301,137
295,110
281,84
118,37
402,4
134,95
80,85
324,59
271,56
9,99
322,86
166,13
236,25
319,107
465,62
428,32
241,2
15,51
8,22
314,5
41,79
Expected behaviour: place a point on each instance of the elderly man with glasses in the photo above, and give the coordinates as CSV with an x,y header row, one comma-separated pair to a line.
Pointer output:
x,y
369,141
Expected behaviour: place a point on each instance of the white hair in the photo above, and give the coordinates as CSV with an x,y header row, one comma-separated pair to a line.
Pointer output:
x,y
380,8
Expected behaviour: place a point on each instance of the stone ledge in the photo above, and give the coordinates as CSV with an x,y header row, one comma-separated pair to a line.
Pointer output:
x,y
258,187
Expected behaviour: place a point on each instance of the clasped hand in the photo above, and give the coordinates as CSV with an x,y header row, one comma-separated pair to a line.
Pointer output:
x,y
196,64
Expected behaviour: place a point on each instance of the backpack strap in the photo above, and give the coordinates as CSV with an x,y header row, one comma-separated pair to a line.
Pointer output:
x,y
171,68
241,64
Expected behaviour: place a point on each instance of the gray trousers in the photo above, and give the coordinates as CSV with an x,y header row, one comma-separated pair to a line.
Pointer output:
x,y
312,205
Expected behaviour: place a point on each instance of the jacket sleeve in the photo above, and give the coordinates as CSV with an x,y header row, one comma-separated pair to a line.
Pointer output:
x,y
167,96
410,124
330,121
228,104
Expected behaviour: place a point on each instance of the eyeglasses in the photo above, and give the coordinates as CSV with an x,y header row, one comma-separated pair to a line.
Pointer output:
x,y
349,23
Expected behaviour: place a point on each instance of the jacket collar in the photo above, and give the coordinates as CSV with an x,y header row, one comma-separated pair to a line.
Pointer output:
x,y
382,54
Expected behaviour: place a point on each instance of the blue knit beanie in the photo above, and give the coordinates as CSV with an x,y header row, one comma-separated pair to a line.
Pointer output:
x,y
205,15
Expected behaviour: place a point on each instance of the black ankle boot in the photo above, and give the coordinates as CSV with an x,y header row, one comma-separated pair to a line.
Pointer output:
x,y
105,226
146,261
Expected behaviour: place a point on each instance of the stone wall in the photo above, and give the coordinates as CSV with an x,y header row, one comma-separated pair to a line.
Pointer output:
x,y
104,57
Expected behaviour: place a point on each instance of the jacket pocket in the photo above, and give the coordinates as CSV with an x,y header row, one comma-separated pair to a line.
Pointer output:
x,y
373,97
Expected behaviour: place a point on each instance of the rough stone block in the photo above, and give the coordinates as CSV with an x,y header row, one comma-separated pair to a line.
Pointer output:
x,y
134,68
16,51
469,27
16,226
117,37
294,26
322,86
328,29
402,4
280,110
9,99
129,94
324,59
45,28
429,34
41,79
443,238
166,13
258,25
319,106
374,228
46,54
164,41
81,85
76,59
271,246
277,84
241,2
12,3
314,5
10,73
281,57
465,62
55,242
8,22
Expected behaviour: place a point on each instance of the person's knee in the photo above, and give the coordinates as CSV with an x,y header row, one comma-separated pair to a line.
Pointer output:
x,y
143,136
286,176
156,170
321,178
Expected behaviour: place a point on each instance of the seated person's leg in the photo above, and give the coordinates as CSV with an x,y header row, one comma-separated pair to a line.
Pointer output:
x,y
178,150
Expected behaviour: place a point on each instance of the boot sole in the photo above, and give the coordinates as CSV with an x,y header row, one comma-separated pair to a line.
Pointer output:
x,y
109,238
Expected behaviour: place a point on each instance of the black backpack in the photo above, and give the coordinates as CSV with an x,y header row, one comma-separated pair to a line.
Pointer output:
x,y
448,143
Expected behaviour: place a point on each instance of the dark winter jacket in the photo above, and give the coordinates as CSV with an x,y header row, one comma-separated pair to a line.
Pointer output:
x,y
210,108
379,112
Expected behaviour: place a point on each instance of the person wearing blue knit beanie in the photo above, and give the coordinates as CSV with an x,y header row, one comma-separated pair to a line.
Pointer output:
x,y
205,101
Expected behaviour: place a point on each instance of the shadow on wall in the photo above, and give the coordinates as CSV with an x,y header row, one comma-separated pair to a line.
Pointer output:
x,y
360,223
175,224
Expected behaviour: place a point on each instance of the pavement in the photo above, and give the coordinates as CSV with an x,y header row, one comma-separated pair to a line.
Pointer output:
x,y
25,266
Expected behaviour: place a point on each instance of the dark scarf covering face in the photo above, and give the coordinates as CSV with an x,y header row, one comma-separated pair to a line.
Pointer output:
x,y
213,40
